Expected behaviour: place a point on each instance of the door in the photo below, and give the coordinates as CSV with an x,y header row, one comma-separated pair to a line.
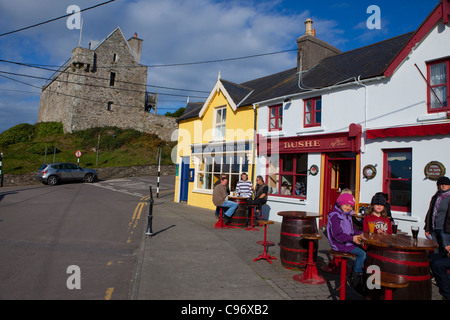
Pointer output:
x,y
340,174
184,178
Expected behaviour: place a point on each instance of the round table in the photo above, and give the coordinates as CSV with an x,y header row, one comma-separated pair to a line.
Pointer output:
x,y
400,254
239,218
293,248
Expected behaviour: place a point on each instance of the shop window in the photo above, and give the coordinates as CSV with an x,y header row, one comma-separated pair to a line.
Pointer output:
x,y
211,168
438,91
313,112
287,175
276,118
397,178
220,123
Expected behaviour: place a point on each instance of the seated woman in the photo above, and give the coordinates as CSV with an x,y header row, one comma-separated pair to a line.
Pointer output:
x,y
344,238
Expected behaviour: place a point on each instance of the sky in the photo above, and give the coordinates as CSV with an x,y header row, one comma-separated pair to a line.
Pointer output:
x,y
182,32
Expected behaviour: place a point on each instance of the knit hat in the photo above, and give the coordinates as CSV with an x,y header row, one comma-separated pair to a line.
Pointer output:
x,y
443,180
345,198
378,199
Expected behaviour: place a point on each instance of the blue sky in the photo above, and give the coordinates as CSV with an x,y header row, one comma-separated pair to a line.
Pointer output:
x,y
176,31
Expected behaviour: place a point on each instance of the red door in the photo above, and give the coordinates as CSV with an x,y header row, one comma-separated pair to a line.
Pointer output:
x,y
340,174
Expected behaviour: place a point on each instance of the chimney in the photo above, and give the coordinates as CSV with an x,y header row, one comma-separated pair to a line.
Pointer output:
x,y
310,50
308,27
136,46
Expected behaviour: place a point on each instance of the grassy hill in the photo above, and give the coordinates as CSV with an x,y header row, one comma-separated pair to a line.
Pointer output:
x,y
24,147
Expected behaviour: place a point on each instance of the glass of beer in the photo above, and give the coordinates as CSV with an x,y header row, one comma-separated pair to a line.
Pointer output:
x,y
415,232
371,227
394,227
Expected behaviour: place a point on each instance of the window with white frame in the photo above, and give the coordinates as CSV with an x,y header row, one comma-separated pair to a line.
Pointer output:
x,y
220,122
211,167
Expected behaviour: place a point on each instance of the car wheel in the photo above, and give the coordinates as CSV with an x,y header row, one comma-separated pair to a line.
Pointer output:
x,y
89,178
52,180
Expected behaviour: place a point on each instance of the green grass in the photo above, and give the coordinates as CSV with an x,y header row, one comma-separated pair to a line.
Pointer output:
x,y
23,147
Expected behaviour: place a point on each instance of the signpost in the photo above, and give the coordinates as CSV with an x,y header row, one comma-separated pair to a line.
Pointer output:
x,y
78,155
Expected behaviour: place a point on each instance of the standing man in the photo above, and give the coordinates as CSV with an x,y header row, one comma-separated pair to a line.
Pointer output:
x,y
220,199
260,193
437,220
244,187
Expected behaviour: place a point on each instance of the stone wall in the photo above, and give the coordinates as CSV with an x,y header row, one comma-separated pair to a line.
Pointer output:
x,y
102,86
13,180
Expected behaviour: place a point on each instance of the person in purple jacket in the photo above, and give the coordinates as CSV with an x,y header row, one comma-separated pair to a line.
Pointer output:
x,y
343,237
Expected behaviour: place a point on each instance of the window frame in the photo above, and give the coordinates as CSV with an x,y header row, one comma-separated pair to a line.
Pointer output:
x,y
297,177
278,118
233,161
222,124
447,85
387,179
313,112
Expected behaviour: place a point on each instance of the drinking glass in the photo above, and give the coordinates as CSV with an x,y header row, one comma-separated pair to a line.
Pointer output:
x,y
415,232
394,227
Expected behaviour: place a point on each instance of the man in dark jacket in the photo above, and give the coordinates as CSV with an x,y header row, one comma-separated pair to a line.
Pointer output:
x,y
261,193
437,220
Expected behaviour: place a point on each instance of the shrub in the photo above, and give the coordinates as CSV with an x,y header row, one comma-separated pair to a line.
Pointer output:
x,y
48,128
20,133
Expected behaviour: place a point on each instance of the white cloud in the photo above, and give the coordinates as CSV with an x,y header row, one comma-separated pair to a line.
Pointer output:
x,y
174,31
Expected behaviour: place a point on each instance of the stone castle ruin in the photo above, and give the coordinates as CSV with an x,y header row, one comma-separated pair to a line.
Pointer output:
x,y
104,85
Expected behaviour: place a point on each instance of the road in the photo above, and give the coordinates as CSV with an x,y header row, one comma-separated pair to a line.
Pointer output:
x,y
74,241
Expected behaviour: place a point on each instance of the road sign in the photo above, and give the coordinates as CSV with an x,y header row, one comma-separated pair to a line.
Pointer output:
x,y
78,154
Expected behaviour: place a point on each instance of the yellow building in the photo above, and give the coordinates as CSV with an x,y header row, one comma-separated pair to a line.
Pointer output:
x,y
214,137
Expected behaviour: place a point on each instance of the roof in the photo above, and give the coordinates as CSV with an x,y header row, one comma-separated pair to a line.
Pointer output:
x,y
375,60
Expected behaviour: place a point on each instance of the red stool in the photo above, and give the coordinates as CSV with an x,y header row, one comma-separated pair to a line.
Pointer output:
x,y
391,281
221,224
265,242
310,276
252,227
341,258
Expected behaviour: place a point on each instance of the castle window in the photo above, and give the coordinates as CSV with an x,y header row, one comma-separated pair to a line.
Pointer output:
x,y
115,57
112,79
109,106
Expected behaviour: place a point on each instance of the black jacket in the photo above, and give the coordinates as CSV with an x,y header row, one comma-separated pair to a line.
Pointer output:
x,y
429,217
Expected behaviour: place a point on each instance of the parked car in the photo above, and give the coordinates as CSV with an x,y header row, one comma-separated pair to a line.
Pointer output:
x,y
55,173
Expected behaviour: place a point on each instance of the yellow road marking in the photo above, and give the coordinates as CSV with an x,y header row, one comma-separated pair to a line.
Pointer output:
x,y
135,219
109,293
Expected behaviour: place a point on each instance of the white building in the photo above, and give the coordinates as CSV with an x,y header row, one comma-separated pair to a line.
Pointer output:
x,y
374,119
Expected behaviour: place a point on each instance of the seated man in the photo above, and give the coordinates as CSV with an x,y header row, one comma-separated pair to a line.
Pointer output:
x,y
261,192
220,199
440,264
244,186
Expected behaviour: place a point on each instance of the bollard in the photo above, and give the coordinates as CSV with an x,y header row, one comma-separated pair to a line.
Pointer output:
x,y
150,214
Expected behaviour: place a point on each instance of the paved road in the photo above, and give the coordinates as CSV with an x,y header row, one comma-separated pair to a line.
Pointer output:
x,y
73,241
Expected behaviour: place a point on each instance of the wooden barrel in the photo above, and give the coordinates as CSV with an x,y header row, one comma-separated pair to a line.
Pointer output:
x,y
411,264
240,216
293,248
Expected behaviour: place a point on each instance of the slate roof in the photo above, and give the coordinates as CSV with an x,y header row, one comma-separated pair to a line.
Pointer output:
x,y
366,62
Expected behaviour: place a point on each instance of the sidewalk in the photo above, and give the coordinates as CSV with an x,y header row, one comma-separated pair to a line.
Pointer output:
x,y
188,259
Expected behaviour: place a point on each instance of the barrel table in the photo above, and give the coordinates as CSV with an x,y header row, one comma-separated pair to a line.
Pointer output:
x,y
293,247
402,255
240,217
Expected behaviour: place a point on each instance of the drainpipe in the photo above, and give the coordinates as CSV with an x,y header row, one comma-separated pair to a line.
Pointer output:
x,y
255,113
366,99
